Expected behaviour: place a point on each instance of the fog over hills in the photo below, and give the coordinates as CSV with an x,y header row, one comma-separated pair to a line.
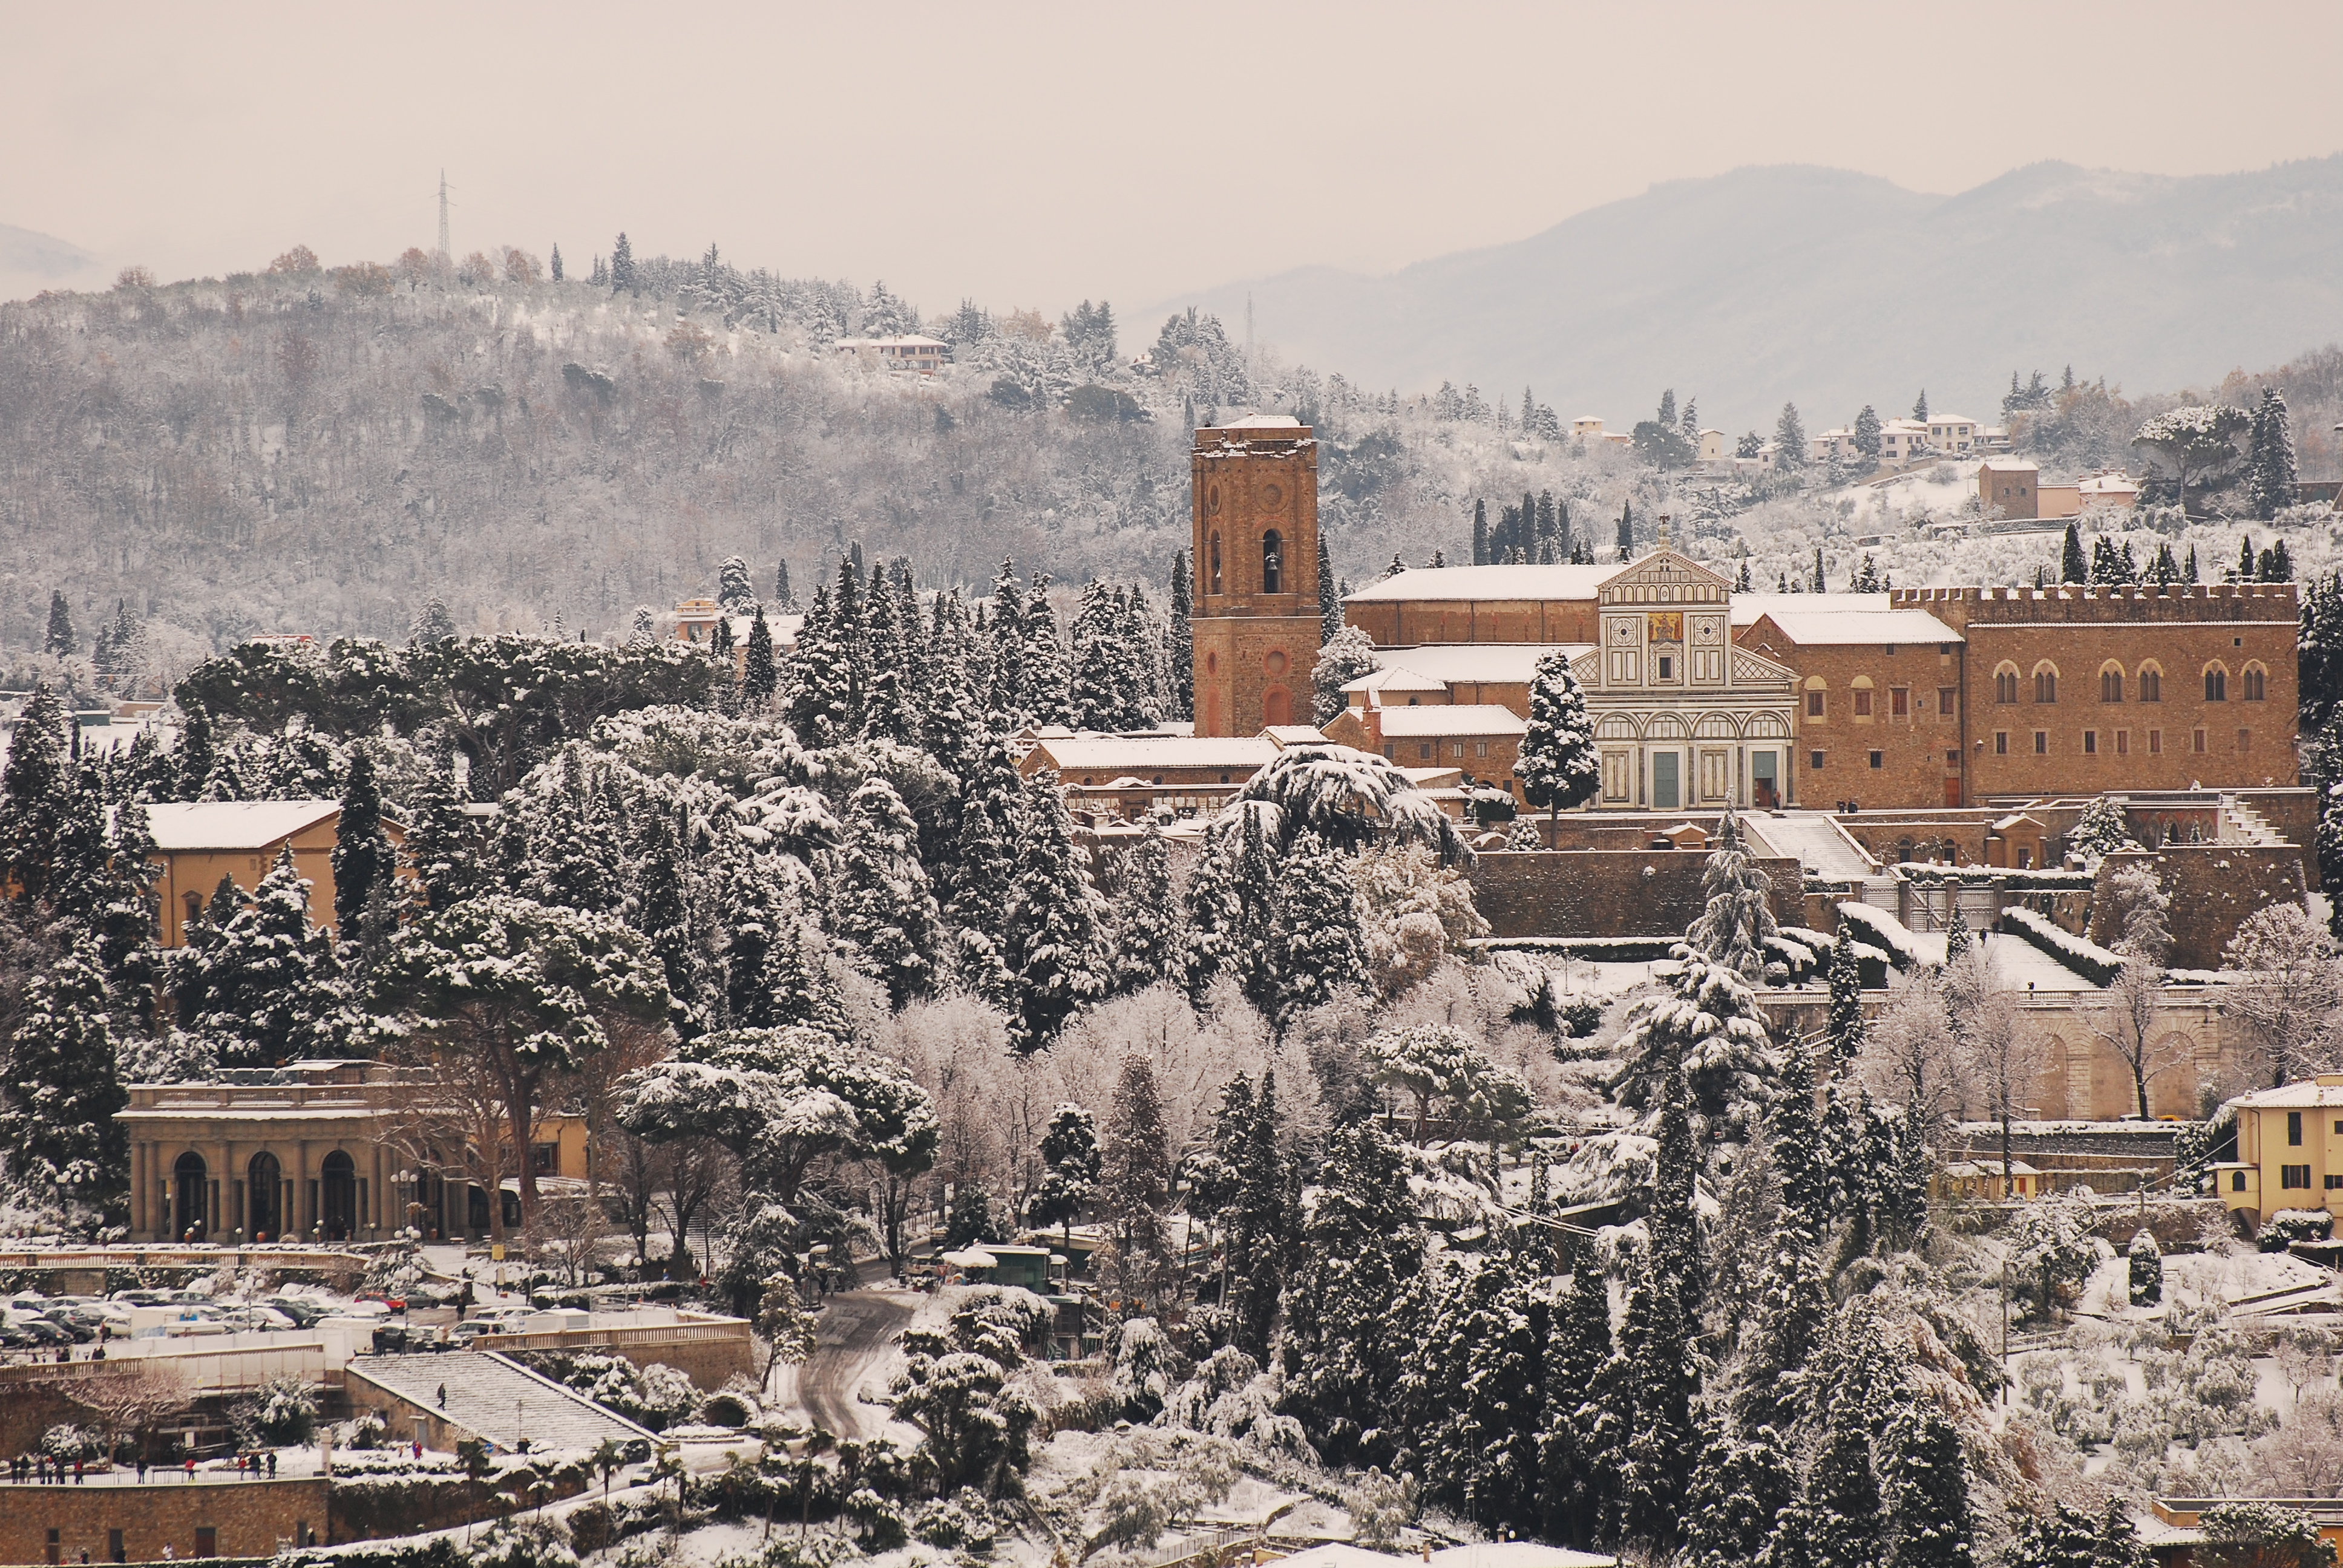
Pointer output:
x,y
31,262
1835,289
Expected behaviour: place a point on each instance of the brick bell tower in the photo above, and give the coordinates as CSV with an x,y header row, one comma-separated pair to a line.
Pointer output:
x,y
1254,495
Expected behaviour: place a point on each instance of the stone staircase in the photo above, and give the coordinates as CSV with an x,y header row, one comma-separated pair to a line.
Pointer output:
x,y
498,1399
2244,824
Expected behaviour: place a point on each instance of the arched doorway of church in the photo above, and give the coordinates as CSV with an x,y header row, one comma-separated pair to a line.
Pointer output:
x,y
264,1189
190,1197
337,1197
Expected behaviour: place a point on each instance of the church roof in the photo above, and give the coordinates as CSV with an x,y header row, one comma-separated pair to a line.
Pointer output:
x,y
1452,718
1142,754
1828,620
1439,664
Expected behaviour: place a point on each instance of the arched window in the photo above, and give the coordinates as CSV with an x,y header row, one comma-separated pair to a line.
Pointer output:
x,y
2045,683
190,1197
2251,678
2151,683
1215,579
2216,684
2111,683
2005,684
264,1188
337,1196
1273,562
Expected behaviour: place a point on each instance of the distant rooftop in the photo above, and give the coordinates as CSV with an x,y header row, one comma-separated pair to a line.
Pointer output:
x,y
1441,718
1263,422
233,824
1510,582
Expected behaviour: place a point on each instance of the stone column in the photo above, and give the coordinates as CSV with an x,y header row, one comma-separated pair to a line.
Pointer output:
x,y
138,1191
301,1215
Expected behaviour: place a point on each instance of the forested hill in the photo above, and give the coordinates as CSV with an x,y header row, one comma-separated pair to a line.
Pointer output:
x,y
321,450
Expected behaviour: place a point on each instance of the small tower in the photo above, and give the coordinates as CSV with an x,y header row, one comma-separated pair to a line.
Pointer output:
x,y
1254,497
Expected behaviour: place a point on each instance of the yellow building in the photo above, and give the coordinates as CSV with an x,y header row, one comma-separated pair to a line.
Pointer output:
x,y
2289,1150
197,843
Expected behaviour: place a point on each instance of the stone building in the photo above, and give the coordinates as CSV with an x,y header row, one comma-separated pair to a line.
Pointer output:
x,y
343,1151
198,842
1255,623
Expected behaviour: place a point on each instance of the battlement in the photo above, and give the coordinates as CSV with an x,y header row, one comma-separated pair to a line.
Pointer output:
x,y
2104,602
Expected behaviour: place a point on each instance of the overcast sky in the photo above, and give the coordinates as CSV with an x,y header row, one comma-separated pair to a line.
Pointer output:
x,y
1039,154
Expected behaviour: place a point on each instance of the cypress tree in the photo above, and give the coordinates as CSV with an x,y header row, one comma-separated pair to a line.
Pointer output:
x,y
1147,914
1180,646
890,711
1216,908
1480,532
2072,568
1580,1450
2269,462
1362,1249
1053,924
1626,530
884,905
59,642
622,264
985,870
1329,602
761,676
1259,1234
441,844
1846,1026
783,596
1926,1489
1316,945
363,858
661,911
1820,584
37,794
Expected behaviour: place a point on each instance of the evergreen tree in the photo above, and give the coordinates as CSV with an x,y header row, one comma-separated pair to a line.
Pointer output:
x,y
1146,914
1958,938
1361,1248
785,599
1626,531
761,676
1135,1183
440,843
622,265
363,858
891,709
1920,404
1737,916
1658,1335
1846,1028
1046,683
985,870
734,594
265,983
2275,565
2244,572
1054,922
1868,433
1258,1232
1071,1165
2188,573
59,642
2269,461
58,1105
1558,765
1926,1489
1706,1031
1012,690
821,708
1789,439
556,264
661,911
2072,568
1106,692
726,679
884,905
38,791
1480,532
1180,648
1216,909
801,988
1820,585
1329,600
432,623
1587,1411
1793,1301
1316,943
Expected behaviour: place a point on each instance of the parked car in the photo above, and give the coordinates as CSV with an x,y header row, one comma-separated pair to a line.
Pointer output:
x,y
303,1314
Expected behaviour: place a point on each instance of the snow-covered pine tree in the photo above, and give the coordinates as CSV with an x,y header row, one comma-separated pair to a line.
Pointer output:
x,y
823,709
1258,1227
2269,459
884,905
1794,1304
1559,766
122,922
1925,1488
1100,693
622,265
1046,678
1844,1026
37,794
1657,1340
951,719
1070,1168
891,710
1958,939
267,979
58,1105
1363,1246
1178,641
2145,1269
432,623
441,845
1054,924
1741,1485
1480,1377
1216,913
59,642
984,872
799,981
1011,687
1146,914
1587,1415
1706,1028
660,908
785,599
1135,1174
1330,602
759,675
1789,439
734,593
1738,917
1820,584
1347,655
1316,946
363,857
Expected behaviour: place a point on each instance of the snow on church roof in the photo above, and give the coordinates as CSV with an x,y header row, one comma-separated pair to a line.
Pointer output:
x,y
1442,719
1509,582
233,824
1824,620
1492,663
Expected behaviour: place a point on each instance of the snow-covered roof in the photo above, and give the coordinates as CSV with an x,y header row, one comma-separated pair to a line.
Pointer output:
x,y
2109,483
1512,1554
1510,582
1142,754
2011,465
1817,623
233,824
1285,735
1263,422
1452,718
2308,1094
1492,663
1395,680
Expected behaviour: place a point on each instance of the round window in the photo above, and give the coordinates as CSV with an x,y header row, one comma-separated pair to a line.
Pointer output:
x,y
1272,495
1274,663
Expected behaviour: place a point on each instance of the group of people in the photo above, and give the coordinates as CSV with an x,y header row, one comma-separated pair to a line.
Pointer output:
x,y
41,1470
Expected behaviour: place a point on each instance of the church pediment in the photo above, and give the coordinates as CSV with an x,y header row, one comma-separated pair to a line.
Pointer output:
x,y
1664,577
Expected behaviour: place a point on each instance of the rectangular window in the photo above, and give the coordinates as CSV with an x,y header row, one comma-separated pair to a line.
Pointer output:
x,y
1948,700
2245,741
1480,749
2196,741
1814,761
2123,742
1899,702
1456,749
547,1157
113,1551
1876,759
1814,705
1423,750
2294,1127
2156,743
1862,703
2294,1176
2334,1183
2042,743
2090,743
1668,667
2001,743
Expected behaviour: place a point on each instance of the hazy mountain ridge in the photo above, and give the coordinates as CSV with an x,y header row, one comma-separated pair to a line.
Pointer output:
x,y
1833,289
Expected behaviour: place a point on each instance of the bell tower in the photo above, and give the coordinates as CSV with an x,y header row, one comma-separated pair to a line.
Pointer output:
x,y
1254,496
